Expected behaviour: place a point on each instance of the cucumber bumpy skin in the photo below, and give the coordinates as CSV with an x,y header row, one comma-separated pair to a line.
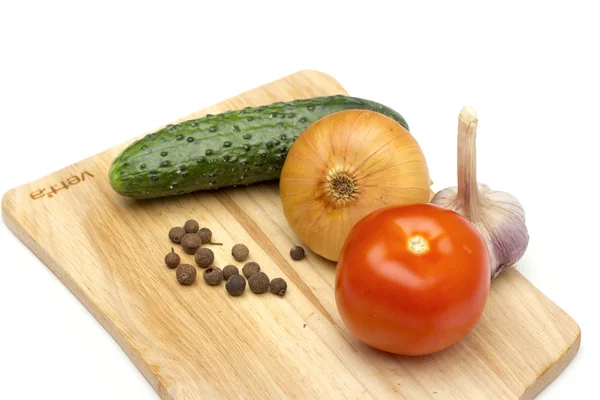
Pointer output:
x,y
238,147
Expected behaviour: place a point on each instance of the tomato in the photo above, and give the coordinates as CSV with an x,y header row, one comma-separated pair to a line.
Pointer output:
x,y
412,280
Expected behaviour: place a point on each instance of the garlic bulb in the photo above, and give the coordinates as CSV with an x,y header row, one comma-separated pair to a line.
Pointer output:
x,y
498,216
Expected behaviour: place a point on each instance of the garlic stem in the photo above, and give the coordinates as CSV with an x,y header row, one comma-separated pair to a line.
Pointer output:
x,y
498,216
468,192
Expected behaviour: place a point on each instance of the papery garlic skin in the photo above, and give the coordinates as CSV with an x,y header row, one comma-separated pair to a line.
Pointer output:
x,y
498,216
501,223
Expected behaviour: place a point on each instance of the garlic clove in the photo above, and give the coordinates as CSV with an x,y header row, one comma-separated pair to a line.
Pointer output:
x,y
501,223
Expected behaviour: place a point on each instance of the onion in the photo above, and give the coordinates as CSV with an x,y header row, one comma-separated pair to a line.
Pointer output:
x,y
343,167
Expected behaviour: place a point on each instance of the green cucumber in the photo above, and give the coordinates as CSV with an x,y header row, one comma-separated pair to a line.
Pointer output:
x,y
238,147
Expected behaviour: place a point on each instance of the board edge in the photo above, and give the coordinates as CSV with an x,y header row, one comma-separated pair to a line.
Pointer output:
x,y
553,371
9,209
5,204
556,367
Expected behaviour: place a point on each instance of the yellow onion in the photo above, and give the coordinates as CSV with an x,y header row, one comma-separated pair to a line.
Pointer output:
x,y
343,167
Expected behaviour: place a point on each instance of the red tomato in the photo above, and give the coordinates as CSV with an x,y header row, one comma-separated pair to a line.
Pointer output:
x,y
412,280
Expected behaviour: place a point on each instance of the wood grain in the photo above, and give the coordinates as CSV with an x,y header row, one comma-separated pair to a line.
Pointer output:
x,y
196,342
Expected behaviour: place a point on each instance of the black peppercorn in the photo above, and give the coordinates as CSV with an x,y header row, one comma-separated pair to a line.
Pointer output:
x,y
204,257
186,274
258,282
240,252
278,286
235,285
230,270
213,276
190,243
175,234
172,259
250,269
191,226
297,253
205,234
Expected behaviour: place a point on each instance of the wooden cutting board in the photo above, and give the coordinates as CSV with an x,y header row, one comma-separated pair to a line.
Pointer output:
x,y
197,342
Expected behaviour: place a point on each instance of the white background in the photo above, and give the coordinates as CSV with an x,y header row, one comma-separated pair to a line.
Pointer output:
x,y
77,78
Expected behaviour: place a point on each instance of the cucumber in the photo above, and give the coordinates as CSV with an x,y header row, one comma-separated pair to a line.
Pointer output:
x,y
238,147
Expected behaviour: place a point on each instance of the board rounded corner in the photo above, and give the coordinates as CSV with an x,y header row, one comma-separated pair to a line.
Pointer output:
x,y
8,203
320,74
554,369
